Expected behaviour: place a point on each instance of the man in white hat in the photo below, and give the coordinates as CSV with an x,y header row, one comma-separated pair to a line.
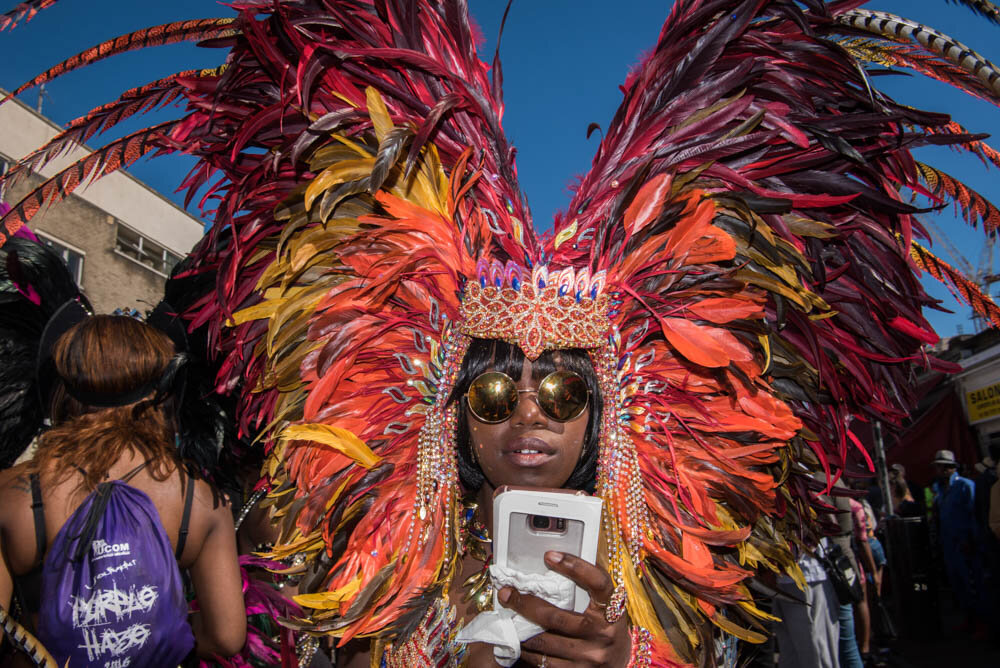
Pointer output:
x,y
955,500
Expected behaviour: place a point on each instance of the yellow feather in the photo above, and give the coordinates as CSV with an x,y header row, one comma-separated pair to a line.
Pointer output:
x,y
379,114
329,599
678,614
565,235
806,227
265,309
342,440
757,612
420,189
736,630
749,553
765,343
640,610
349,143
339,172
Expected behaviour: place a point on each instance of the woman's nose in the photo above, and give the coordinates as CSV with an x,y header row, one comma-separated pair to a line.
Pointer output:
x,y
528,413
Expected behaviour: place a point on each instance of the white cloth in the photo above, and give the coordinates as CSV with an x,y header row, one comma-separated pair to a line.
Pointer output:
x,y
505,629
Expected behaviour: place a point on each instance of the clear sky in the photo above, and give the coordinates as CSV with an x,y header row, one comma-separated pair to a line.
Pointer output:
x,y
563,61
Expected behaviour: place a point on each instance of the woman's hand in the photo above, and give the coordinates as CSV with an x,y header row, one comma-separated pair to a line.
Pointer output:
x,y
573,639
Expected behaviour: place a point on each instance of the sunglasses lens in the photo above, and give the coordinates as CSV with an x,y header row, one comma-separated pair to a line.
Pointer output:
x,y
563,395
492,397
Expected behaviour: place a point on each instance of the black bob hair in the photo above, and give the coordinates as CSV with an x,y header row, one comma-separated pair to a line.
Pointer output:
x,y
486,354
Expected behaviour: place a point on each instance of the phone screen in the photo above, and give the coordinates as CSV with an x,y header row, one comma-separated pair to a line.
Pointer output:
x,y
531,536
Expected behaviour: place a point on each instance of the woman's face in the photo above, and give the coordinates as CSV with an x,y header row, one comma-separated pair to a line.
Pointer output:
x,y
529,449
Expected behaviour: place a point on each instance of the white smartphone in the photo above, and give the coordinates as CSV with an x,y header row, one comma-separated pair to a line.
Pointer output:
x,y
530,522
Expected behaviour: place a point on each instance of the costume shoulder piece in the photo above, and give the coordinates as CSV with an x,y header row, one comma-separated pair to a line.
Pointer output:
x,y
34,284
741,261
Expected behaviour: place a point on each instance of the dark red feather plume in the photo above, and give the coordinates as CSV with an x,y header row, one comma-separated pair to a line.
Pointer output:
x,y
25,10
168,33
107,159
974,206
138,100
960,286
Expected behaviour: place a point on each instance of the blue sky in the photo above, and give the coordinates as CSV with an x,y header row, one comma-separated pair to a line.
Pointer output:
x,y
563,61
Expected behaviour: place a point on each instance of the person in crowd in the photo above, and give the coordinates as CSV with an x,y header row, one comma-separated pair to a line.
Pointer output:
x,y
988,545
878,552
809,633
916,492
871,575
986,476
873,499
111,446
269,584
994,518
954,501
903,503
848,654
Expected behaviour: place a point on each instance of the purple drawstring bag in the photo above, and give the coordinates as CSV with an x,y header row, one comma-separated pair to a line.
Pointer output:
x,y
111,590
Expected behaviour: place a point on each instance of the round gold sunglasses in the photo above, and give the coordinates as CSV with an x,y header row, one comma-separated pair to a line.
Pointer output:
x,y
493,396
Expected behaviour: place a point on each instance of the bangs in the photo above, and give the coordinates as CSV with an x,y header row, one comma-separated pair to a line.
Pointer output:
x,y
496,355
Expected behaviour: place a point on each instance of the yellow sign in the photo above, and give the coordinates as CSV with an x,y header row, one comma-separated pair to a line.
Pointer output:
x,y
983,403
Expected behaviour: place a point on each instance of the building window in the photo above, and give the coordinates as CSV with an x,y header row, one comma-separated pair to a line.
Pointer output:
x,y
71,256
148,253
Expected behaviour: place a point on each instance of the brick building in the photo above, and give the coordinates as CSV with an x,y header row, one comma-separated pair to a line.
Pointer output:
x,y
119,236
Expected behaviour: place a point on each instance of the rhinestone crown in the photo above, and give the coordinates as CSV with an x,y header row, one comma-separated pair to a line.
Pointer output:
x,y
537,310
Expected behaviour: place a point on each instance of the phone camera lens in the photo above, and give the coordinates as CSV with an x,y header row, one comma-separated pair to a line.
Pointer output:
x,y
539,522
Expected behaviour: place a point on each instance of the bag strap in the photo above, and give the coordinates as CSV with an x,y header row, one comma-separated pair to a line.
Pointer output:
x,y
38,511
188,483
99,502
131,474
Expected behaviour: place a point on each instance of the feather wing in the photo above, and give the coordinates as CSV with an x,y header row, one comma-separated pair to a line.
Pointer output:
x,y
743,209
984,8
34,283
752,162
936,42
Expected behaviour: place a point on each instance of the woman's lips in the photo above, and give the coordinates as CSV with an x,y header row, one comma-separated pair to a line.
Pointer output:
x,y
529,452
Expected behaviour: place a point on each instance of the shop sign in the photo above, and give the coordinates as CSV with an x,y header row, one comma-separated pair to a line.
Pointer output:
x,y
984,403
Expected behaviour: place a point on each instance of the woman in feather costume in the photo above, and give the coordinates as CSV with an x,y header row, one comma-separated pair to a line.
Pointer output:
x,y
739,265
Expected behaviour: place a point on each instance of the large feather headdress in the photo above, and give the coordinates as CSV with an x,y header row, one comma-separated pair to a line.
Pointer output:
x,y
740,260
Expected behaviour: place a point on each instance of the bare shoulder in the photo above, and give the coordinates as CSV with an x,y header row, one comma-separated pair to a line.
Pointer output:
x,y
14,482
209,501
15,498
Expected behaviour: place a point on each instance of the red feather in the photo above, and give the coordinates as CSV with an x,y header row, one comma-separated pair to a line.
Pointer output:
x,y
974,206
138,100
960,286
109,158
168,33
25,10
